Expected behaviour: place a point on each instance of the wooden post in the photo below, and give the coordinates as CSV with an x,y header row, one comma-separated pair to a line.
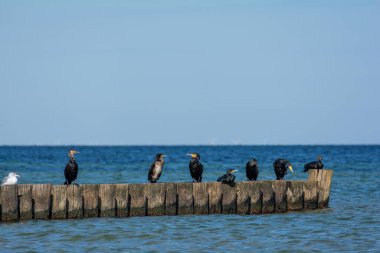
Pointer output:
x,y
107,200
25,201
324,188
122,200
215,197
74,202
155,194
185,198
294,195
228,199
310,195
59,201
41,200
256,197
137,199
170,198
8,201
279,189
324,178
90,193
200,193
268,200
243,198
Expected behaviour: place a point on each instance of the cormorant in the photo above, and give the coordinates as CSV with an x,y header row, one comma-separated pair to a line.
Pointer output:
x,y
252,169
156,168
196,167
11,179
316,165
71,169
228,178
280,168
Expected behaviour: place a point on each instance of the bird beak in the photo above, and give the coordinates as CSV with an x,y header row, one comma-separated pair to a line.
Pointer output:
x,y
17,175
163,155
76,152
234,171
291,168
192,155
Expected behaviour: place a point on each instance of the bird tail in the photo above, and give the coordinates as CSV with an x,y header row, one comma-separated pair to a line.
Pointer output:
x,y
305,168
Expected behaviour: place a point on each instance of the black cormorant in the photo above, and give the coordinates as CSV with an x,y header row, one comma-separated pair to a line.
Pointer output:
x,y
71,169
252,169
228,178
280,168
196,167
316,165
156,168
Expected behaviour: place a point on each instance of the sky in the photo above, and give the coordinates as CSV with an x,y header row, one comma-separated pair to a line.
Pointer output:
x,y
189,72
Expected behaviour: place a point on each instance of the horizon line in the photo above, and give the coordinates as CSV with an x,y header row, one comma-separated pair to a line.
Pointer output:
x,y
157,145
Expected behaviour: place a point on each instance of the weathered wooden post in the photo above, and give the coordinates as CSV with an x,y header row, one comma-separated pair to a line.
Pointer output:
x,y
25,201
215,197
324,178
268,200
228,199
59,202
170,198
324,188
9,203
279,190
310,195
41,200
74,203
243,198
137,200
294,195
90,193
155,194
107,200
122,198
185,198
200,193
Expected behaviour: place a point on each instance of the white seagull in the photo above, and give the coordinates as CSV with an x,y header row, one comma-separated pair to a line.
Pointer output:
x,y
11,179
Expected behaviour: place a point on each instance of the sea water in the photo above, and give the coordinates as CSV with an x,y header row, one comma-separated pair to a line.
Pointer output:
x,y
351,224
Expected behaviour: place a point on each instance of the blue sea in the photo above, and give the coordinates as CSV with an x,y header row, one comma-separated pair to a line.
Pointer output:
x,y
351,224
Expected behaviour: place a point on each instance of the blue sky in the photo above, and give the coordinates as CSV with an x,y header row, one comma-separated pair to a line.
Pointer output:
x,y
189,72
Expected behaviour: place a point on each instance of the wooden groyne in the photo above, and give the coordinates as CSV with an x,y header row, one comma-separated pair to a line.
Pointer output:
x,y
46,201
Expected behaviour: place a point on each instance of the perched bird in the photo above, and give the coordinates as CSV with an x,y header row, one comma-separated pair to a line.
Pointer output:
x,y
281,167
11,179
156,168
71,169
228,178
196,167
252,169
316,165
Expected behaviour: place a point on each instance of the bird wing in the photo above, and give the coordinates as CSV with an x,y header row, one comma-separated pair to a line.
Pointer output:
x,y
311,165
223,178
5,180
67,170
151,171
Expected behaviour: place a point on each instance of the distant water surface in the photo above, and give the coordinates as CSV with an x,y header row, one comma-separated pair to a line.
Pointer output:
x,y
351,224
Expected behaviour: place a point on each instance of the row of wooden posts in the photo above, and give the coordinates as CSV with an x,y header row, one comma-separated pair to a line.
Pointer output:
x,y
46,201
